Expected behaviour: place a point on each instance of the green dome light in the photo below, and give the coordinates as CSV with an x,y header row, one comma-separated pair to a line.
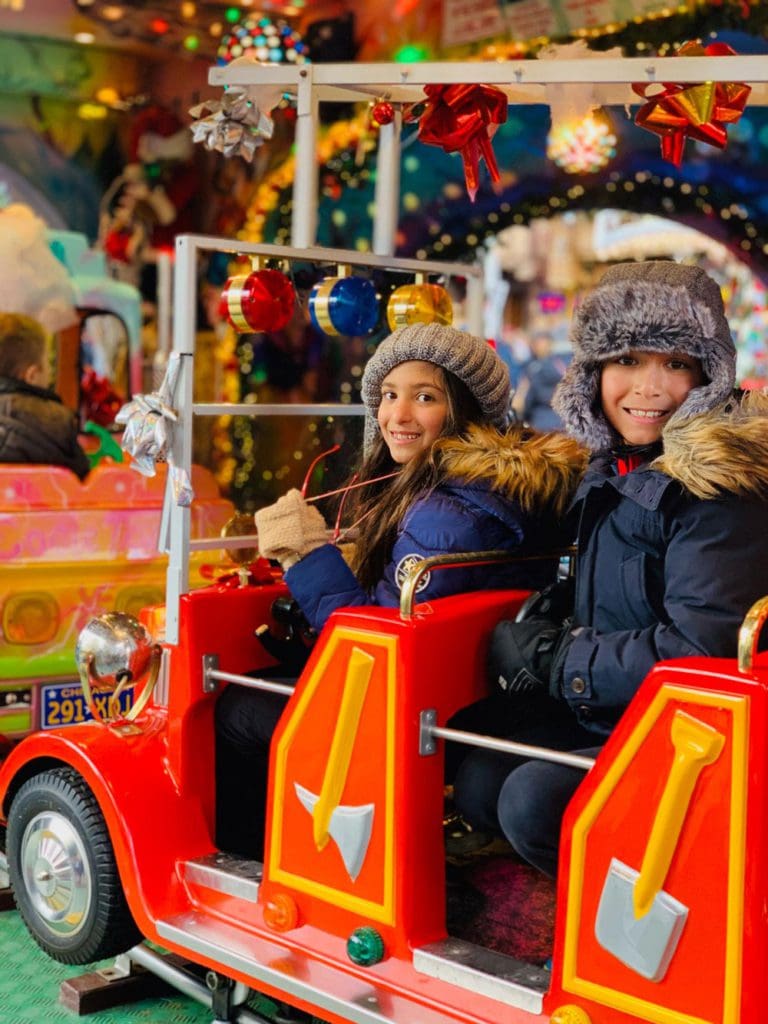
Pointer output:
x,y
365,946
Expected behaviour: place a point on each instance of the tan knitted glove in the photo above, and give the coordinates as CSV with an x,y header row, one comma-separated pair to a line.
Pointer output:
x,y
289,529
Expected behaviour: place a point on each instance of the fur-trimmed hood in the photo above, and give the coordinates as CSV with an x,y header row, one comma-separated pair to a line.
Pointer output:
x,y
657,306
724,451
539,471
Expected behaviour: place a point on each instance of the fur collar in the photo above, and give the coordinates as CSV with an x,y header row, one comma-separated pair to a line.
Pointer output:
x,y
724,451
539,471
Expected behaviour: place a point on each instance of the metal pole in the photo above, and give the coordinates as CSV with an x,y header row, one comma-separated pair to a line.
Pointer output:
x,y
387,195
185,983
510,747
304,216
178,517
475,311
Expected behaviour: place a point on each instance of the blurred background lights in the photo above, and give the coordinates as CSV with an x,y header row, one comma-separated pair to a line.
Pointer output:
x,y
262,39
411,54
582,147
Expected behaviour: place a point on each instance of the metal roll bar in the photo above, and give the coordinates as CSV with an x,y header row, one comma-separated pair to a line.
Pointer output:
x,y
419,569
749,634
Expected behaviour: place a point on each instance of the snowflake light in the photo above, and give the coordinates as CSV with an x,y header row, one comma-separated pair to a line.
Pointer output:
x,y
582,147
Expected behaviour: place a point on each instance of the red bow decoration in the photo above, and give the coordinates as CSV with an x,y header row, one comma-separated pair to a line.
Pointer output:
x,y
463,118
100,400
697,111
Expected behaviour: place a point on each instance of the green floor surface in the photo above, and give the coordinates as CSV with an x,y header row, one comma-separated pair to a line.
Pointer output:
x,y
29,988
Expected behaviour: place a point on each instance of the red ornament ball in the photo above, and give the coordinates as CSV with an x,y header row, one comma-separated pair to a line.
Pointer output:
x,y
261,301
383,113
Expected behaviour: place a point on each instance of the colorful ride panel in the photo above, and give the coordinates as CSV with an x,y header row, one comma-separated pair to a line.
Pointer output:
x,y
70,550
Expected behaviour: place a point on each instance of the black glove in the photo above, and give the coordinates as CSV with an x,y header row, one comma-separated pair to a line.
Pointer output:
x,y
554,602
528,657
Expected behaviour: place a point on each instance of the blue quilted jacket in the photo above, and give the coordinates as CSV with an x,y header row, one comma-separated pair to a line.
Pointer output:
x,y
500,492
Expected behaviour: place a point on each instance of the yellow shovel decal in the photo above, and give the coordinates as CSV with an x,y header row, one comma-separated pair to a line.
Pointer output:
x,y
637,920
349,826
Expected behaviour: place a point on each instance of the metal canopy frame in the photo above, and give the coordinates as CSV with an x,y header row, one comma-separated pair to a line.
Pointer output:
x,y
524,82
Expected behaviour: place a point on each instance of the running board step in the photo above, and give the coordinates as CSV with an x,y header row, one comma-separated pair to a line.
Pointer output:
x,y
327,986
484,971
226,873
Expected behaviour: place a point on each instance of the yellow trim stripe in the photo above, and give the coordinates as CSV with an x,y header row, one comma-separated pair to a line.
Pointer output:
x,y
383,911
322,302
652,1012
235,303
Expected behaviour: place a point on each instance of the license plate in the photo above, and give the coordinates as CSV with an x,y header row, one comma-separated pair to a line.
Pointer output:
x,y
64,704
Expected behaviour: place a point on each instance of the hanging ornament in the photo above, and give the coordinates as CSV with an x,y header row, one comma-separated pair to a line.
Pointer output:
x,y
463,119
699,111
238,123
261,301
263,40
419,303
584,146
344,305
382,113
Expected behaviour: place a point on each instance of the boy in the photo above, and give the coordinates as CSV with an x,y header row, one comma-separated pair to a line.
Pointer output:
x,y
672,545
35,426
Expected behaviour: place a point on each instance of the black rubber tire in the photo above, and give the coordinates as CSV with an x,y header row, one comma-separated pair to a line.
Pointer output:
x,y
63,872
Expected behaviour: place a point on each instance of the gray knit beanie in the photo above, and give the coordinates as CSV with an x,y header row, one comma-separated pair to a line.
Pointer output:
x,y
657,306
470,359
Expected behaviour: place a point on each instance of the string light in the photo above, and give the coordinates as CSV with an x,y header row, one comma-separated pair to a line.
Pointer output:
x,y
264,40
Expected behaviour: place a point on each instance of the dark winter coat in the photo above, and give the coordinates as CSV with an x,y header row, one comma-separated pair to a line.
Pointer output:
x,y
543,376
36,427
501,492
671,557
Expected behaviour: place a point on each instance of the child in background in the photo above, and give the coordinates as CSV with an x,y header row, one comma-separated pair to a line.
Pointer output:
x,y
35,426
670,522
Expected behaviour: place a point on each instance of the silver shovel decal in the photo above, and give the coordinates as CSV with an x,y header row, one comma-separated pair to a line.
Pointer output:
x,y
349,826
637,921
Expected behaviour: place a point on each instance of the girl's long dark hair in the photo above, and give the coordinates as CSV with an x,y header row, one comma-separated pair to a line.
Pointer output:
x,y
384,504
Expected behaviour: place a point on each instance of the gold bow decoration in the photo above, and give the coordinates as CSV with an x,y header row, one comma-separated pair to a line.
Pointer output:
x,y
699,111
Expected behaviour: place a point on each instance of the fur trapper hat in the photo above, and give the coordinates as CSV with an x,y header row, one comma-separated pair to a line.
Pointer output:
x,y
470,359
657,306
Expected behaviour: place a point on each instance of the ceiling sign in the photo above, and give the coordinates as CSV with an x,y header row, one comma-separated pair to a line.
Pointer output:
x,y
526,19
466,21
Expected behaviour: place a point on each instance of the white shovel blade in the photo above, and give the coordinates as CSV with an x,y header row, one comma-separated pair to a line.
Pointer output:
x,y
350,828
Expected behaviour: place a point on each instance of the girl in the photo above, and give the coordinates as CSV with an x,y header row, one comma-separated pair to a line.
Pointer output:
x,y
436,402
672,545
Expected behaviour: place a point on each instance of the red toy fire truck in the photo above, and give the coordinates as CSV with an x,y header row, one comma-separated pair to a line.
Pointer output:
x,y
661,897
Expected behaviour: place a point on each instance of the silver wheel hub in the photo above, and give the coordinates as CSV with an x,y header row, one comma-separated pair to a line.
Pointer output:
x,y
56,872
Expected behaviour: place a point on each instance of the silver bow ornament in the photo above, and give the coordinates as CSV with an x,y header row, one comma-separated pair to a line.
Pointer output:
x,y
239,123
148,436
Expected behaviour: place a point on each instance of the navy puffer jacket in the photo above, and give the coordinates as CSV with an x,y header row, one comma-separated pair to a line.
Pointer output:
x,y
671,557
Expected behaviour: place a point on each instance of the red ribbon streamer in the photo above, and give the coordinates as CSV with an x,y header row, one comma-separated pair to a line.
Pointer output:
x,y
462,118
669,113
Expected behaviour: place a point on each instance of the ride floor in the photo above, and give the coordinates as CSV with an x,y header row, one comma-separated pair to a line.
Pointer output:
x,y
30,983
492,899
496,900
